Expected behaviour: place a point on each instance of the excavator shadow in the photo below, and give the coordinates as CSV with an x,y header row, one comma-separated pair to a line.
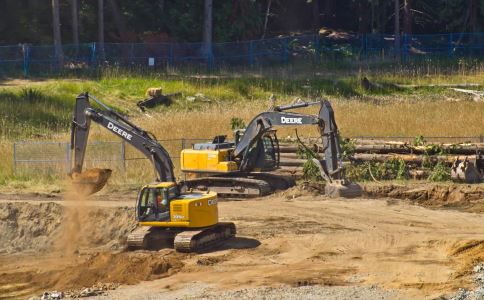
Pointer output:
x,y
235,243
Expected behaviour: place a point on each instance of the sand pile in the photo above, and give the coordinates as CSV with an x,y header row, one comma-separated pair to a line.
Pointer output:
x,y
99,268
460,196
25,226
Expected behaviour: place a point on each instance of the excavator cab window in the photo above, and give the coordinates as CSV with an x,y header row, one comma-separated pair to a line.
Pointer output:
x,y
262,155
154,204
270,160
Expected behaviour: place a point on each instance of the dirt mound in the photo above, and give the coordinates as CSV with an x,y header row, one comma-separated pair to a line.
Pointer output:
x,y
25,226
39,227
469,252
463,197
123,268
105,267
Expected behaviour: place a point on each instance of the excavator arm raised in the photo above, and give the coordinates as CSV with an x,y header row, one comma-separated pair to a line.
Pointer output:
x,y
264,122
114,122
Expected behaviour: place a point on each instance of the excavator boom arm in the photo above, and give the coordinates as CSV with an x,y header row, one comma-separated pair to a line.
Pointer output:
x,y
325,121
84,113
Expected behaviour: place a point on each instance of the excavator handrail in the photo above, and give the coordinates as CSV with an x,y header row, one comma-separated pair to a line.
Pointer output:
x,y
108,118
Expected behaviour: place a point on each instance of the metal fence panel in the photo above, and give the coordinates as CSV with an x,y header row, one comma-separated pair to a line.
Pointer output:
x,y
54,158
29,58
37,159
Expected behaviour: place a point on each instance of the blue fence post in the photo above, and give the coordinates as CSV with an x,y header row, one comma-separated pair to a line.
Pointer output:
x,y
131,54
285,46
170,55
251,53
405,47
26,59
210,59
316,47
365,46
450,44
93,54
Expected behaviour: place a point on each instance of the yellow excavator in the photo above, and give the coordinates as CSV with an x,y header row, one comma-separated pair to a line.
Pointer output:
x,y
241,167
165,214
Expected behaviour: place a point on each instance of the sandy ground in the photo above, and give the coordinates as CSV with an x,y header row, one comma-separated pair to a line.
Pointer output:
x,y
294,244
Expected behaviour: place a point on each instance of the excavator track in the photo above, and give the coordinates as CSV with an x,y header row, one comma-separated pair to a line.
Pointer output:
x,y
138,238
230,186
276,181
197,240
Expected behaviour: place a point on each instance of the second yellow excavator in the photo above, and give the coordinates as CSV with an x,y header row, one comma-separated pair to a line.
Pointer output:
x,y
240,168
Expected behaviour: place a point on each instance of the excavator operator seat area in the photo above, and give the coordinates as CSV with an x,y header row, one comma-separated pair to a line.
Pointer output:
x,y
164,207
154,203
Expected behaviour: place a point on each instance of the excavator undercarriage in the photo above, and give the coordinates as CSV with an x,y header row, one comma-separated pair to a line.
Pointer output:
x,y
192,240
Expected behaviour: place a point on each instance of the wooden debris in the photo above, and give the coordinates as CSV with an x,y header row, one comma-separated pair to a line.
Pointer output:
x,y
477,95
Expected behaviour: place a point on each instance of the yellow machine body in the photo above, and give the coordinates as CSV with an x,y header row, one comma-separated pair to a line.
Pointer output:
x,y
189,210
214,161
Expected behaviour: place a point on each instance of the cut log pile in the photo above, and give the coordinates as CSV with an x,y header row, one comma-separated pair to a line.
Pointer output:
x,y
363,151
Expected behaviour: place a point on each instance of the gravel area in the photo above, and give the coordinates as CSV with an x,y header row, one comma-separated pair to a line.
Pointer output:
x,y
202,291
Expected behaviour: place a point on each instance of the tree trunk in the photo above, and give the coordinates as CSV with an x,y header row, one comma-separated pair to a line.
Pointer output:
x,y
207,27
100,28
118,20
407,16
372,22
316,23
473,9
397,27
382,10
75,24
363,16
328,12
161,5
57,32
266,19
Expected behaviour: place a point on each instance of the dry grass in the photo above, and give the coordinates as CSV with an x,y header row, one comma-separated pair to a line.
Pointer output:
x,y
387,112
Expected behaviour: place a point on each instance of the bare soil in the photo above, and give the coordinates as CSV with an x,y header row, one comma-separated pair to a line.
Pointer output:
x,y
392,244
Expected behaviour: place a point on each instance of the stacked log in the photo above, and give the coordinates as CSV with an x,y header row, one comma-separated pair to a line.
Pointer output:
x,y
382,151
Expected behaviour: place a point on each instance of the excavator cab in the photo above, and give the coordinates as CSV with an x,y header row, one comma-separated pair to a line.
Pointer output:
x,y
263,155
154,202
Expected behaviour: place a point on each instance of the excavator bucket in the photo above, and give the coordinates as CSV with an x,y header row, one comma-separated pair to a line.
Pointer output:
x,y
338,188
344,189
90,181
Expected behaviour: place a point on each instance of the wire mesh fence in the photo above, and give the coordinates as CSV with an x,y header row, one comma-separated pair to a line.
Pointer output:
x,y
43,158
34,159
43,58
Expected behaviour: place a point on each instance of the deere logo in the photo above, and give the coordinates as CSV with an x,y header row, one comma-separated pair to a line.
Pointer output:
x,y
119,131
285,120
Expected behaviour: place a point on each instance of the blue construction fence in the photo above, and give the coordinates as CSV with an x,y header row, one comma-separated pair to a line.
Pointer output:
x,y
375,47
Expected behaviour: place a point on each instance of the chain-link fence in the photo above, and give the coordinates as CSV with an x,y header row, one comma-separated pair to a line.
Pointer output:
x,y
377,47
33,159
53,159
